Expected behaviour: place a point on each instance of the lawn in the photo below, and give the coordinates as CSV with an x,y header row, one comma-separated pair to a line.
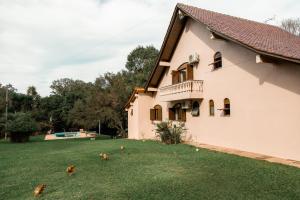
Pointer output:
x,y
146,170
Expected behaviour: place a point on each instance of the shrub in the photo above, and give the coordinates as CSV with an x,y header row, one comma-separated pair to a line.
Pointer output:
x,y
20,127
170,132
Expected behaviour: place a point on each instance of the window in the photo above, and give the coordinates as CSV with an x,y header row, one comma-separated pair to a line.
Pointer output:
x,y
226,107
211,108
183,73
156,113
195,108
217,60
131,112
177,113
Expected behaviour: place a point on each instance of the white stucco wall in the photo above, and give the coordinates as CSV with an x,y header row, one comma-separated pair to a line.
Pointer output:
x,y
139,124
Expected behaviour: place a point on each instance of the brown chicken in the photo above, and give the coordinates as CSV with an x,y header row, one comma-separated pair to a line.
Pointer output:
x,y
39,189
71,170
104,156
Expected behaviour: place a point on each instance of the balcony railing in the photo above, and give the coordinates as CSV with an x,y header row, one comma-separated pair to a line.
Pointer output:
x,y
186,90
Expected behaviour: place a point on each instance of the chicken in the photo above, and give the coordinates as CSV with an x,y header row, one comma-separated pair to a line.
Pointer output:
x,y
39,189
104,156
122,148
70,170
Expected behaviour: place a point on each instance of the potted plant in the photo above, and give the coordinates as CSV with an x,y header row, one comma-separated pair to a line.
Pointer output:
x,y
20,127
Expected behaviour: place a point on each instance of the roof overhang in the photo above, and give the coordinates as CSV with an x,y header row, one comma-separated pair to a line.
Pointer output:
x,y
133,96
171,39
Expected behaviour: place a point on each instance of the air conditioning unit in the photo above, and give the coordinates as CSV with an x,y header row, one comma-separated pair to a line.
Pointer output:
x,y
186,105
194,58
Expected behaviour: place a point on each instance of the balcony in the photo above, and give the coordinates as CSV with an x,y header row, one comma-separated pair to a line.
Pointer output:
x,y
192,89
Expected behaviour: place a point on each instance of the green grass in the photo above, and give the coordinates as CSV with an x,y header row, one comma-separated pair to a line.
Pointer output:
x,y
146,170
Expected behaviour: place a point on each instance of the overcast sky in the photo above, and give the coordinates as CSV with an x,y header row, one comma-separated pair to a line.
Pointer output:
x,y
44,40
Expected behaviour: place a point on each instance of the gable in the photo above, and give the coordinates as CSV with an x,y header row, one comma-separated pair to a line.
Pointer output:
x,y
226,27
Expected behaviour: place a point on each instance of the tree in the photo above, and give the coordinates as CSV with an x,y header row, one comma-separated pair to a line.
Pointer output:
x,y
75,104
291,25
140,62
20,126
31,91
36,98
66,91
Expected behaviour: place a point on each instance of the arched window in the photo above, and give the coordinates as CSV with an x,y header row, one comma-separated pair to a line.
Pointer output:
x,y
226,107
195,108
211,107
217,60
177,113
156,113
183,73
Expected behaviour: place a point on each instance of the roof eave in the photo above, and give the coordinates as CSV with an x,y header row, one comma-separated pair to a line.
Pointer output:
x,y
163,46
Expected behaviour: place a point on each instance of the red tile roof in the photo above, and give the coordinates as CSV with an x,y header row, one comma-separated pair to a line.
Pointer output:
x,y
258,36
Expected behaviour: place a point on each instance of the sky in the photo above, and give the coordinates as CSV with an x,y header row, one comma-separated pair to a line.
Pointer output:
x,y
45,40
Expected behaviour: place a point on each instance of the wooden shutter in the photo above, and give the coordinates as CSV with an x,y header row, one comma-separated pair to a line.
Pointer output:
x,y
171,114
175,77
152,114
183,115
159,114
190,74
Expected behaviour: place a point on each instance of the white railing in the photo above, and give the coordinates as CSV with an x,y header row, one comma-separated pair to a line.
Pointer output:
x,y
193,86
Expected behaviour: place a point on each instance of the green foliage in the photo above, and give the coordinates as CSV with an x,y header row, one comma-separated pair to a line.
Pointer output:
x,y
31,91
20,126
170,132
140,63
21,123
75,104
110,93
2,126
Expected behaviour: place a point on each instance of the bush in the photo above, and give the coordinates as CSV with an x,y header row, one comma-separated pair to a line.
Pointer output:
x,y
170,132
20,127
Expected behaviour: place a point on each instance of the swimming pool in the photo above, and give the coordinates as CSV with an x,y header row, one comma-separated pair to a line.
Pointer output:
x,y
67,134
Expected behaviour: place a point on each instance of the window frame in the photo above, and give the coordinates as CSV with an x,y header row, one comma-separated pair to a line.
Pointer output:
x,y
184,72
197,112
156,113
217,60
227,107
211,106
176,113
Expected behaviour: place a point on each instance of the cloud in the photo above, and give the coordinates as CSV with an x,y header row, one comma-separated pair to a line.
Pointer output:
x,y
43,40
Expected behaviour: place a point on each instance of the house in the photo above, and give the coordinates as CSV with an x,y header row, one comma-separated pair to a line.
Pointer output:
x,y
234,82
